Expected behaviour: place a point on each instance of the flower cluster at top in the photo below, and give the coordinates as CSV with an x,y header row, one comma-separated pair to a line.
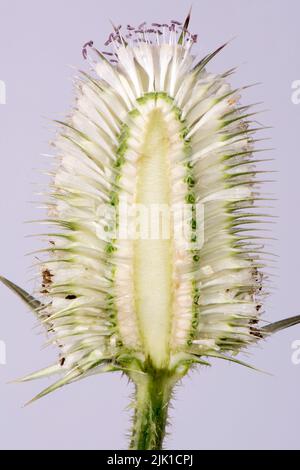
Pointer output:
x,y
173,32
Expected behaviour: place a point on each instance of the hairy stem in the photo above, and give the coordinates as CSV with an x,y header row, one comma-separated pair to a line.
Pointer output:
x,y
153,393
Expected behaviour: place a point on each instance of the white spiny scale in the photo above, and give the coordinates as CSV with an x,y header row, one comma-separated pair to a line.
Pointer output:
x,y
152,128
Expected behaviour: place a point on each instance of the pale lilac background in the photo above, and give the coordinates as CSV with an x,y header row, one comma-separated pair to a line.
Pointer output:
x,y
226,406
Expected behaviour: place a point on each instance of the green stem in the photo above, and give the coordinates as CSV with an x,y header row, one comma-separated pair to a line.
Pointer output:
x,y
153,393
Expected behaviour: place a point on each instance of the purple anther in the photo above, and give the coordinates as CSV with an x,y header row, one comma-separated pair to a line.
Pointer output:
x,y
84,49
130,28
156,25
109,40
177,23
114,37
195,37
88,44
117,28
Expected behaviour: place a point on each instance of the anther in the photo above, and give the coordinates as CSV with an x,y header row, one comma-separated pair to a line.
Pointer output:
x,y
84,49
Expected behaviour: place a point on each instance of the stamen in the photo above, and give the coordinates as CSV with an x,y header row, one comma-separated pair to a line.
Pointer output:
x,y
166,33
84,49
110,39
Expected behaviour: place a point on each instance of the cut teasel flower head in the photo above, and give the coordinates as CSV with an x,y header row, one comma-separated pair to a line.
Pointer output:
x,y
152,127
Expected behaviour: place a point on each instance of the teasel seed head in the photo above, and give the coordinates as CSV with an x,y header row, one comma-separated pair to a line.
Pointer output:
x,y
152,128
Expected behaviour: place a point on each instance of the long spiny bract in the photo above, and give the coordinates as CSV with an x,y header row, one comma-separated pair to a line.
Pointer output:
x,y
152,127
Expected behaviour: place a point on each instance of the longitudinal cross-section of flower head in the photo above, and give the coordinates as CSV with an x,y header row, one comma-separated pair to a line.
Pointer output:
x,y
155,130
154,263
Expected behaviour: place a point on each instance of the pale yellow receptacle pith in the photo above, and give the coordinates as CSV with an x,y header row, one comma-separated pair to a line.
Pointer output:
x,y
153,258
